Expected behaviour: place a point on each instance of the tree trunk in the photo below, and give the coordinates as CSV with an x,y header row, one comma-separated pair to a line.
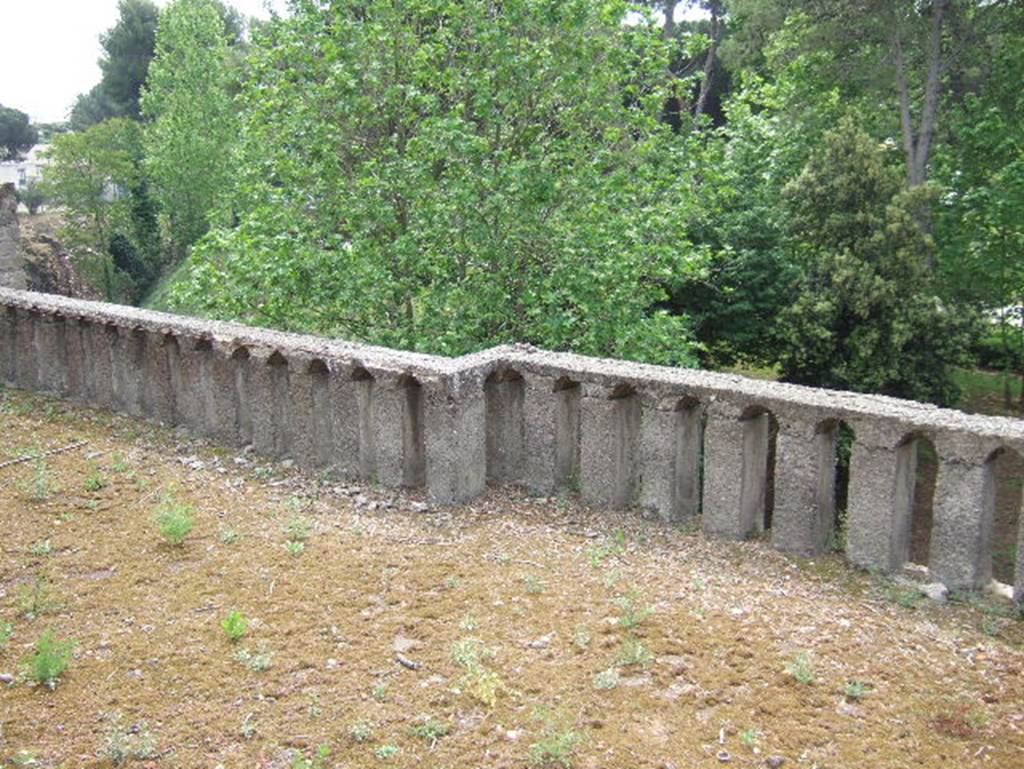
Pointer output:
x,y
918,149
669,8
709,61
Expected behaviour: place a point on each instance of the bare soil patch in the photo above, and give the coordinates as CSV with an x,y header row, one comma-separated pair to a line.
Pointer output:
x,y
461,638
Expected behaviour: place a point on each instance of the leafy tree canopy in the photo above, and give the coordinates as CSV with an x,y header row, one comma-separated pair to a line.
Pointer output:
x,y
17,135
448,176
97,177
865,318
192,124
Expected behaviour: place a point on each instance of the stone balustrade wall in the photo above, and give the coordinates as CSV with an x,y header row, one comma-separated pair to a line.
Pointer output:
x,y
743,455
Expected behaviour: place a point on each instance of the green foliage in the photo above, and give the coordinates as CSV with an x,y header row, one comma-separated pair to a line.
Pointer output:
x,y
448,176
534,584
478,680
235,625
40,486
127,51
855,690
188,139
867,317
1002,347
96,176
980,221
175,521
17,135
298,529
50,659
33,196
42,548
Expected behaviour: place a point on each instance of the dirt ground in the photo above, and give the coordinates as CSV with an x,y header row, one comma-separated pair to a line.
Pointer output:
x,y
519,631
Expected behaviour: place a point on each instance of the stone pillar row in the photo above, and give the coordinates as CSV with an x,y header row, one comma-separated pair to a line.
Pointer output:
x,y
454,430
381,425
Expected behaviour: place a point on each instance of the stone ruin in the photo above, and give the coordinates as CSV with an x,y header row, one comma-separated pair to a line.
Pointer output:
x,y
12,261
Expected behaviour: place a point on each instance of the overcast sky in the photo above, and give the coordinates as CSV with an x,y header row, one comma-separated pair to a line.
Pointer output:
x,y
50,48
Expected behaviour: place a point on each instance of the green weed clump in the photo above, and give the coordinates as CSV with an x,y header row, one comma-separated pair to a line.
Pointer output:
x,y
123,744
235,625
607,679
633,613
386,752
316,761
431,730
361,731
258,662
6,633
297,531
50,659
556,746
95,481
855,690
634,653
42,549
175,521
37,599
479,681
41,485
802,669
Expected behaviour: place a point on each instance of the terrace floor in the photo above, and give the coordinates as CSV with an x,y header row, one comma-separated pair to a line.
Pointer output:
x,y
518,631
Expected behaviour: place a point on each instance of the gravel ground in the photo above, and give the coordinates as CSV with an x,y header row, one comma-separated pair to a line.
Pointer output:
x,y
519,631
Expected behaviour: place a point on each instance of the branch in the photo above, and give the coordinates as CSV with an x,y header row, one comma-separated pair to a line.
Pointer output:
x,y
906,121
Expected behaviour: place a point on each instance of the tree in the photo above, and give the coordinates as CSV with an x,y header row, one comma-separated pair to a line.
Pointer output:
x,y
17,135
696,51
867,316
33,197
127,50
738,216
980,221
188,143
903,61
97,177
449,176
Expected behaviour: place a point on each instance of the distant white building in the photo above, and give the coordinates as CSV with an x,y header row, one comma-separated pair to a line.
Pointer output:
x,y
28,169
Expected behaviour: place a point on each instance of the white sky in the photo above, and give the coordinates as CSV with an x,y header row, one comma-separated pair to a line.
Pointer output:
x,y
51,48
